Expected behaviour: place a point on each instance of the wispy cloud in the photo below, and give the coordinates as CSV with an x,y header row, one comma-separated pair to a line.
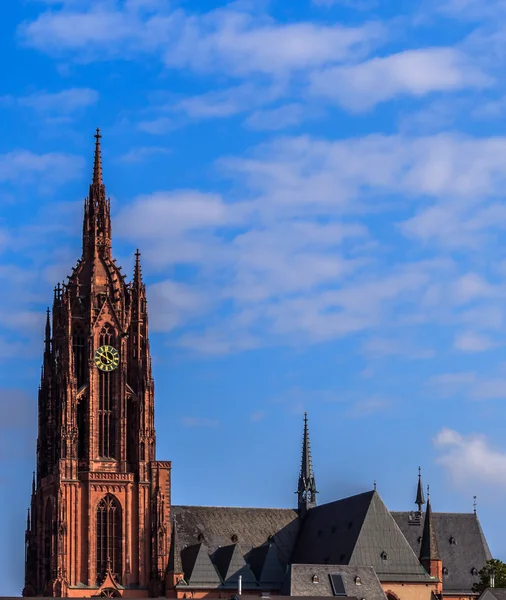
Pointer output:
x,y
470,459
52,167
64,102
199,422
143,153
411,72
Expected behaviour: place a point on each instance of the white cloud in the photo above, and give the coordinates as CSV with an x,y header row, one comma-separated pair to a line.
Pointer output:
x,y
470,341
276,118
223,39
199,422
370,406
51,168
470,459
142,153
411,72
64,102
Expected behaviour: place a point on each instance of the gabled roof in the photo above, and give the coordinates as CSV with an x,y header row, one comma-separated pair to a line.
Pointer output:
x,y
361,582
461,544
197,566
218,526
266,566
358,531
229,561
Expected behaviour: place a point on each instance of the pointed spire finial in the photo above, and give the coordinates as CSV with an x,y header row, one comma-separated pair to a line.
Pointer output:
x,y
429,548
474,504
420,500
375,485
306,489
97,165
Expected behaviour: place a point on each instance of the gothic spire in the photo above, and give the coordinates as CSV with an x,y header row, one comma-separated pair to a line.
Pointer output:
x,y
97,218
97,163
137,270
420,500
174,564
306,490
428,548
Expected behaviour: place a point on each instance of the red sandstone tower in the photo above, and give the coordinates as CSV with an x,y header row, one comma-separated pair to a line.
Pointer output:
x,y
99,523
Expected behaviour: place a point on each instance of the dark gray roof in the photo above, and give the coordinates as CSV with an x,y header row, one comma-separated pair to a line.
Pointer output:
x,y
469,551
229,560
494,593
249,527
301,581
358,531
266,566
255,543
198,568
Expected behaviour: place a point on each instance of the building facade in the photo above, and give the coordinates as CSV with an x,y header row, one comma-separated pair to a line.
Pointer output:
x,y
101,522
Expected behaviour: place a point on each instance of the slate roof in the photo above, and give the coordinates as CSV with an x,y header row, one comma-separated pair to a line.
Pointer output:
x,y
469,551
229,560
198,568
234,539
494,594
301,581
358,531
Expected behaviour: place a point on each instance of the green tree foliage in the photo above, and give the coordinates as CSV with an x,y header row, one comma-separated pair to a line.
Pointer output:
x,y
498,568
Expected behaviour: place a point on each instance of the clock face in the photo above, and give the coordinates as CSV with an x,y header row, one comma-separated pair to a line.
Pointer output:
x,y
106,358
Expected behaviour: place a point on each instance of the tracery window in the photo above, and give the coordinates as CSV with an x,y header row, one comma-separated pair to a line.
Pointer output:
x,y
107,421
108,537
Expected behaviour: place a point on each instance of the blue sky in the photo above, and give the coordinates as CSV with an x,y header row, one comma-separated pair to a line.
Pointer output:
x,y
317,190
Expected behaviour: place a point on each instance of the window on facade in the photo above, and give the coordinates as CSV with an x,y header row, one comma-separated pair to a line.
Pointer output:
x,y
80,358
108,537
106,405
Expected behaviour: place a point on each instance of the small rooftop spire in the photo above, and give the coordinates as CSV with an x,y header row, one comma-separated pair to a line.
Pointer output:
x,y
420,500
97,164
474,504
33,483
306,490
137,268
375,485
174,564
429,548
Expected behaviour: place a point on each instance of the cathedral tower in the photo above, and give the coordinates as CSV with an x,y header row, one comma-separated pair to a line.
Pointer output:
x,y
99,520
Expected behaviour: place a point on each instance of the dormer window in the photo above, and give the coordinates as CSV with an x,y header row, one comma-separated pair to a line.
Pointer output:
x,y
384,555
419,539
315,579
445,571
474,571
358,581
453,541
234,538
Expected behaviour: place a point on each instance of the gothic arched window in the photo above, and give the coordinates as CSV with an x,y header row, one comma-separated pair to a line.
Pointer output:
x,y
106,404
108,537
48,541
80,358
